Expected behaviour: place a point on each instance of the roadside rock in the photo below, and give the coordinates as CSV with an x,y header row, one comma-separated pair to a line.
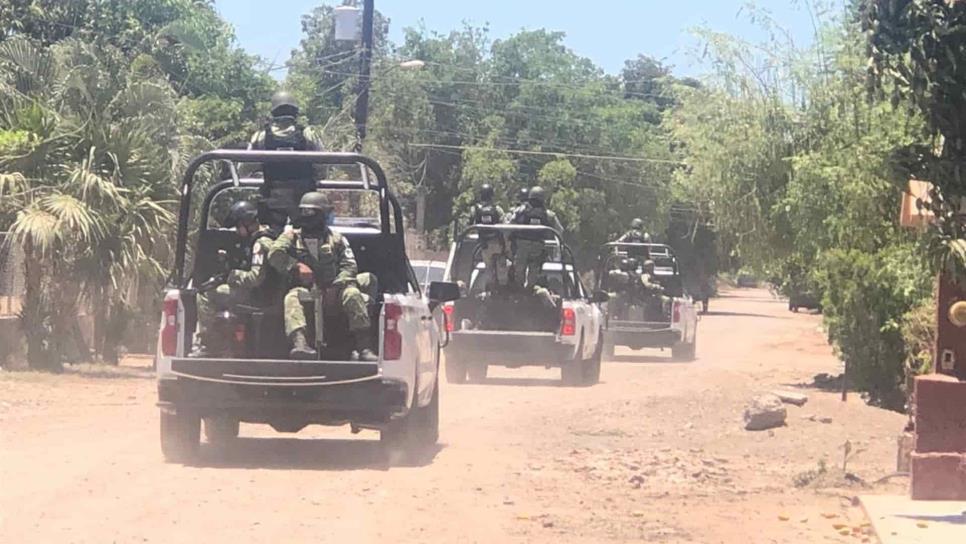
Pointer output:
x,y
789,397
764,412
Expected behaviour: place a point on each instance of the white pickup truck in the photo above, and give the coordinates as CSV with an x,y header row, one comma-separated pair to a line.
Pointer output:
x,y
254,381
494,325
637,322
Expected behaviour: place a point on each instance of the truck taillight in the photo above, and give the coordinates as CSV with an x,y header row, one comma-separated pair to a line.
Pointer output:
x,y
169,325
676,312
568,322
448,317
391,337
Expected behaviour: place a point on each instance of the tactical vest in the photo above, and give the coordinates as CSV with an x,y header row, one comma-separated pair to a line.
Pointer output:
x,y
318,251
634,237
280,171
535,216
486,214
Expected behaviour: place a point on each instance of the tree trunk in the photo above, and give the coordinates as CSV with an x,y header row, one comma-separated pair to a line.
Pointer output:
x,y
33,314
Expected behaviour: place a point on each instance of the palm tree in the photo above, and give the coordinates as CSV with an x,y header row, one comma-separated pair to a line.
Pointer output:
x,y
85,186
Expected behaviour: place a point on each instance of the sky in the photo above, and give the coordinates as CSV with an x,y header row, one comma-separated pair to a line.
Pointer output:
x,y
606,32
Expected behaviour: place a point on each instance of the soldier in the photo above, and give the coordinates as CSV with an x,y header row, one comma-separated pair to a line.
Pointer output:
x,y
240,283
493,249
636,235
531,250
652,290
285,133
619,282
330,266
522,197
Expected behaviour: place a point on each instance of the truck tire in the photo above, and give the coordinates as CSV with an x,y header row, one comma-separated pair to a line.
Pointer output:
x,y
414,433
592,365
455,371
685,352
572,371
610,350
221,430
477,372
180,437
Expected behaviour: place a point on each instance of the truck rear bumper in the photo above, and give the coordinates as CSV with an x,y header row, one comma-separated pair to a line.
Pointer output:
x,y
509,348
638,338
263,391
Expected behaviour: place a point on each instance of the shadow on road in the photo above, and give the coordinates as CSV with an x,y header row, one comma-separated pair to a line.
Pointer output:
x,y
309,454
644,359
740,314
523,382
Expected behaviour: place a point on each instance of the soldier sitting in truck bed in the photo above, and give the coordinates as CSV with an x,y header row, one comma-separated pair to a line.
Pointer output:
x,y
316,256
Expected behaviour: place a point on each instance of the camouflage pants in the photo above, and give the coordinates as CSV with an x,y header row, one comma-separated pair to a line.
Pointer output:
x,y
494,256
528,261
352,303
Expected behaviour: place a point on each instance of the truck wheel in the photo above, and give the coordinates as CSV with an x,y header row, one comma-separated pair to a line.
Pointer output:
x,y
572,371
592,366
221,430
609,350
477,372
685,352
415,432
180,437
455,371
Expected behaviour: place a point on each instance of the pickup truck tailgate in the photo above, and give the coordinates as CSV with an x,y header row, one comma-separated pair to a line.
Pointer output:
x,y
537,348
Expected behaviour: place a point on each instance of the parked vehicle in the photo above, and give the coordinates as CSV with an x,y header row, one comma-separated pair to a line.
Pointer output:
x,y
512,326
256,382
648,323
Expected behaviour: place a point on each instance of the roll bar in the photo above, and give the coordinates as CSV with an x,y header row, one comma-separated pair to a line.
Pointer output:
x,y
509,228
381,185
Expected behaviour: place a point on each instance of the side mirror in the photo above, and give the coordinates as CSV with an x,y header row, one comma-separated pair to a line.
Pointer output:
x,y
441,291
600,297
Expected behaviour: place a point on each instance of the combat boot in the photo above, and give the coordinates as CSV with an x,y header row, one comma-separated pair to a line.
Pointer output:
x,y
300,348
363,351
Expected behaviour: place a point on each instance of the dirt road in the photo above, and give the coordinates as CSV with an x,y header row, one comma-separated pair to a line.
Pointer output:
x,y
654,453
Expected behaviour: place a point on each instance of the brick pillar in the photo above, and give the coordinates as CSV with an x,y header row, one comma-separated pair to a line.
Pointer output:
x,y
939,460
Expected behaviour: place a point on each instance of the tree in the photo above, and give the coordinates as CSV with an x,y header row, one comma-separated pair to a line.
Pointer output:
x,y
88,156
915,52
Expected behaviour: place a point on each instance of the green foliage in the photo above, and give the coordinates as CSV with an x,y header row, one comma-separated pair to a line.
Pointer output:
x,y
866,298
915,51
919,335
794,164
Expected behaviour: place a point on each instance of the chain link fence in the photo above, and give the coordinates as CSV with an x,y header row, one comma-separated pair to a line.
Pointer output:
x,y
11,276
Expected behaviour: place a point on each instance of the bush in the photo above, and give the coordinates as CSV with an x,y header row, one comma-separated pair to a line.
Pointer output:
x,y
919,334
867,296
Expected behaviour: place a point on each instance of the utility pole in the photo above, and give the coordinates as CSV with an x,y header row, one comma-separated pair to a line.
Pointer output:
x,y
362,98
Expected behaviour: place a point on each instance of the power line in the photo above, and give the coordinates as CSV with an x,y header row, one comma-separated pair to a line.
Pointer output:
x,y
549,153
567,147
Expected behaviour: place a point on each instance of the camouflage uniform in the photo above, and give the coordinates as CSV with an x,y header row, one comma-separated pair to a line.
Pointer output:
x,y
531,252
635,236
285,127
492,248
240,283
336,272
653,291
